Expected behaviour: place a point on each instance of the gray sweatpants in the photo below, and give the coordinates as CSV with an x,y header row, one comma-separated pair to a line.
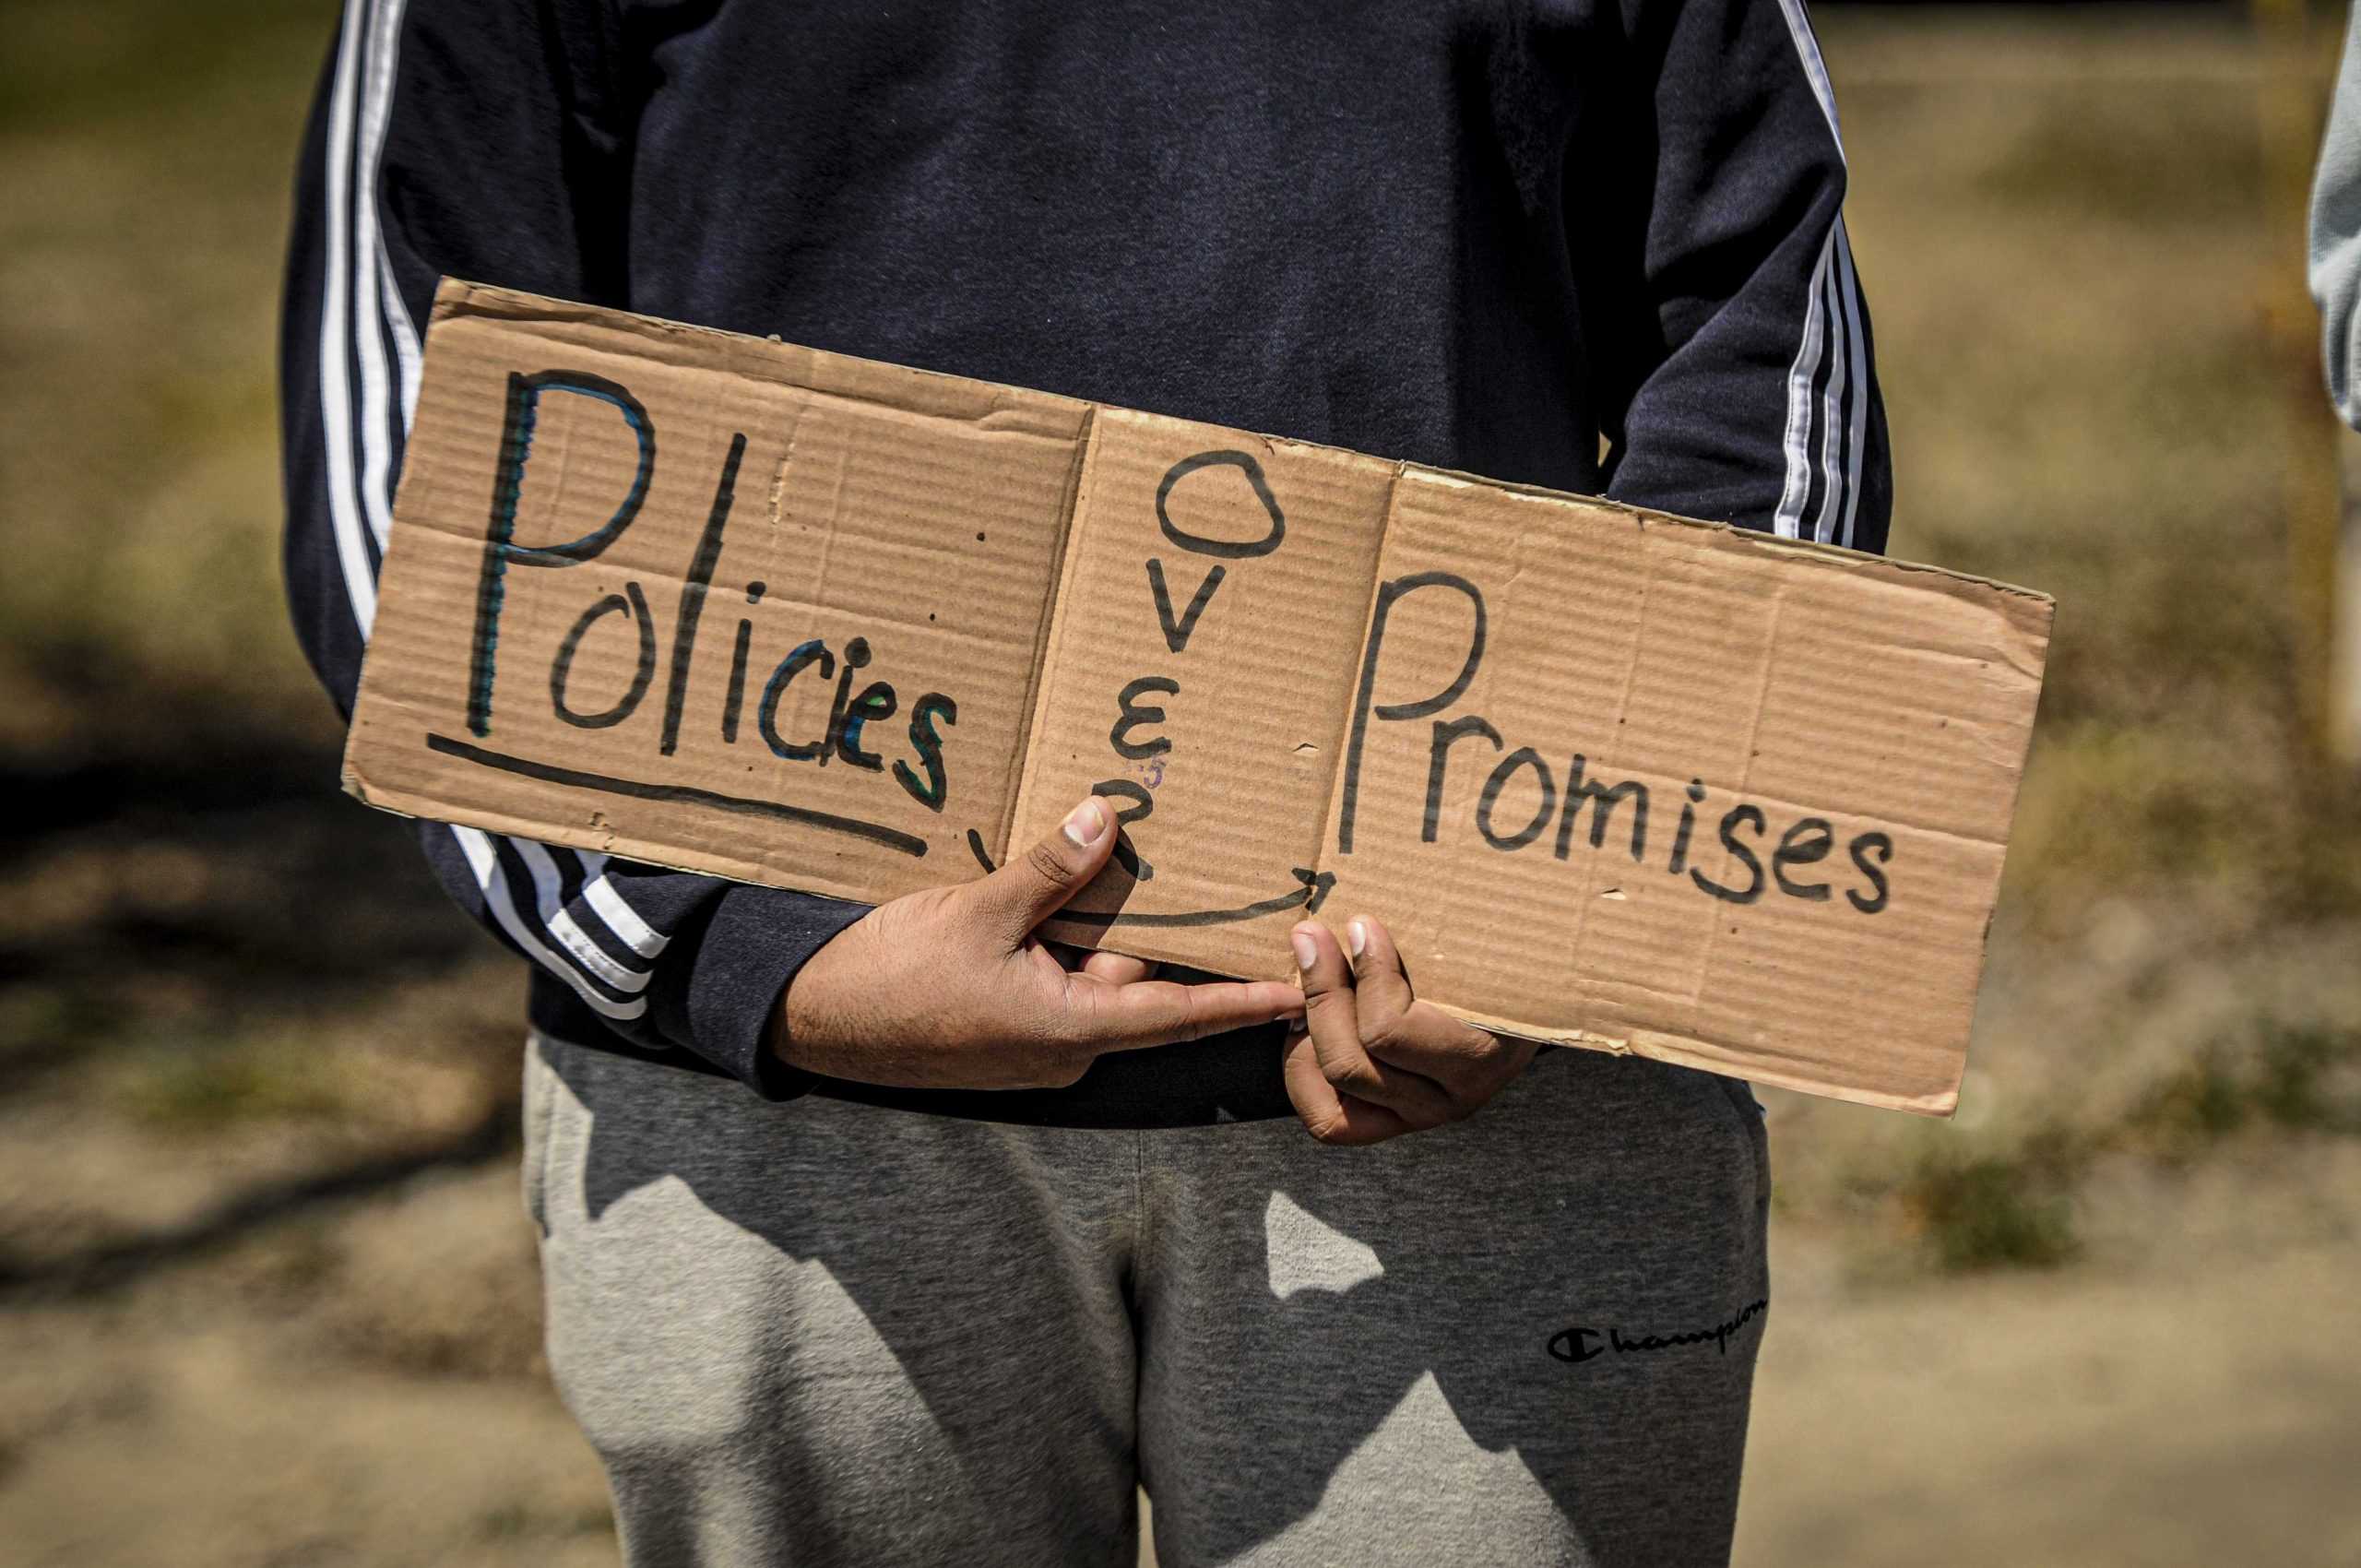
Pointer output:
x,y
820,1333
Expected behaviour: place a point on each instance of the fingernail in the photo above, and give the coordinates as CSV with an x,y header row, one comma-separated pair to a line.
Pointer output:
x,y
1085,823
1307,952
1356,937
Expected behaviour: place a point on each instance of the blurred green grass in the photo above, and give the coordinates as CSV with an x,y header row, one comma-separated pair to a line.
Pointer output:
x,y
2066,236
146,168
197,908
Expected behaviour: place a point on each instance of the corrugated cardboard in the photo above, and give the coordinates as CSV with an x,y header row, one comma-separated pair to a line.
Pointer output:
x,y
1614,780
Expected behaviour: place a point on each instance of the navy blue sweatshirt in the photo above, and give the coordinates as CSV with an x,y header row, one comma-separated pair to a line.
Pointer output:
x,y
1594,244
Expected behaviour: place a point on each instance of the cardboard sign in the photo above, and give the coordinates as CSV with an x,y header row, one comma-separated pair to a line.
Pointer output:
x,y
1614,780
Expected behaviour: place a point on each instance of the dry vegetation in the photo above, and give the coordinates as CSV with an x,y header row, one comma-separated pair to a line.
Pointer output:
x,y
264,1292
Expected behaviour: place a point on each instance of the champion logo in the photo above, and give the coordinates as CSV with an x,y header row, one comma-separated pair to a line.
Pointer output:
x,y
1583,1343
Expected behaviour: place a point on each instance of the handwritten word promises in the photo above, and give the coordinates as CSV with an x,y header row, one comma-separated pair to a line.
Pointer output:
x,y
1743,829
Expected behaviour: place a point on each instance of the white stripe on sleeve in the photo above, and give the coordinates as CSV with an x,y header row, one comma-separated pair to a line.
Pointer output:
x,y
1815,68
1852,289
335,386
484,860
621,919
548,898
1835,328
363,313
405,335
369,336
1842,324
1788,522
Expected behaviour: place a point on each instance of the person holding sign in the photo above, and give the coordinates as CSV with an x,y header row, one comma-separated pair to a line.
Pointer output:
x,y
895,1234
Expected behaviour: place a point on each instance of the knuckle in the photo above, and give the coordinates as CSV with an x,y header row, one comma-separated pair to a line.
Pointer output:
x,y
1047,864
1329,1008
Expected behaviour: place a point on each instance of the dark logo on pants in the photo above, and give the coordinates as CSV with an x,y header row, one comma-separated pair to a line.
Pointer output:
x,y
1578,1345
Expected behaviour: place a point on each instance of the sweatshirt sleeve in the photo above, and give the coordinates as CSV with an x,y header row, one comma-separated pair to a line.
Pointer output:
x,y
2335,238
1748,388
487,140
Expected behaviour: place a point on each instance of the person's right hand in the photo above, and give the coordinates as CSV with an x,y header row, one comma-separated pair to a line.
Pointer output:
x,y
950,989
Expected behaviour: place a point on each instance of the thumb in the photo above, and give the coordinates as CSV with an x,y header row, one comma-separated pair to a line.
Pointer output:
x,y
1034,885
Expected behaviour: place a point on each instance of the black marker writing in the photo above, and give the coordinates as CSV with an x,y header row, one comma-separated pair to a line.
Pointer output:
x,y
1227,550
766,711
638,788
1389,595
1447,733
1805,843
855,704
562,668
1604,799
928,743
1177,632
692,587
1861,849
1140,805
501,548
1132,713
1680,862
1612,803
1524,756
1731,819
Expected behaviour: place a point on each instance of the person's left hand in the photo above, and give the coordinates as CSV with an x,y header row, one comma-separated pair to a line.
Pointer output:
x,y
1373,1061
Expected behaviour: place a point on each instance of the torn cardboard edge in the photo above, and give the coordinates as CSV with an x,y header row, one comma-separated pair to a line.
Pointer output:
x,y
902,450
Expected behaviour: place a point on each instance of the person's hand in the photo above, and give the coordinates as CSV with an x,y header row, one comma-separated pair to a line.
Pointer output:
x,y
1115,969
950,989
1372,1062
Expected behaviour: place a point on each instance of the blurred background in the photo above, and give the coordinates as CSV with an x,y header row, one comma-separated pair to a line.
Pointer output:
x,y
265,1292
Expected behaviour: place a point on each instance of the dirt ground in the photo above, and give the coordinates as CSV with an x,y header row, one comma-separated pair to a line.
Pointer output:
x,y
2198,1402
266,1296
358,1387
